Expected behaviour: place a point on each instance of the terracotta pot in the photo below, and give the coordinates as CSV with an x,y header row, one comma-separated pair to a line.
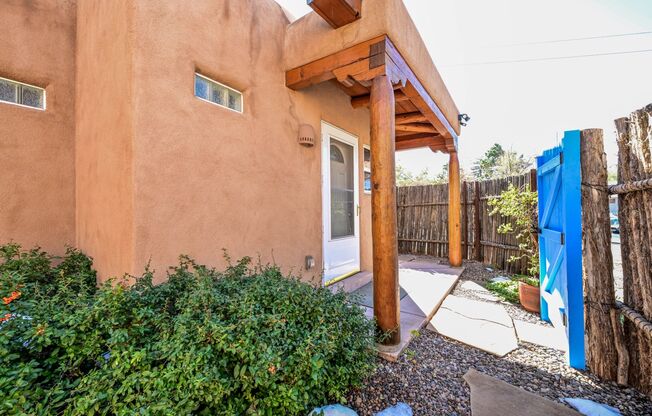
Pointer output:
x,y
529,297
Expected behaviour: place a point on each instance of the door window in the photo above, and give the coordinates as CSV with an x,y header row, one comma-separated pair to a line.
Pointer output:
x,y
342,190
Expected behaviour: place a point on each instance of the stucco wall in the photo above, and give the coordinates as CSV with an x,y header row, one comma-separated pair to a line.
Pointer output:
x,y
207,178
127,164
104,136
37,173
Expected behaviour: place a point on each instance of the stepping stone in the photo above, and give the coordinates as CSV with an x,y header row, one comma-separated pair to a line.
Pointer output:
x,y
491,397
546,336
482,325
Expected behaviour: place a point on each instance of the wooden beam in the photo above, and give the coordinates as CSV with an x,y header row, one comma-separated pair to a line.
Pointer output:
x,y
454,228
431,142
383,213
364,100
407,118
437,149
418,94
337,13
322,69
417,128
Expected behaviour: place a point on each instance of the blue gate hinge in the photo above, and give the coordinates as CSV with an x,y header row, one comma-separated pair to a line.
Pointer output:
x,y
561,158
562,238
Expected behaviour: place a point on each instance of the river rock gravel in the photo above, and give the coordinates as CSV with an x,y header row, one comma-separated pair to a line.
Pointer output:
x,y
428,375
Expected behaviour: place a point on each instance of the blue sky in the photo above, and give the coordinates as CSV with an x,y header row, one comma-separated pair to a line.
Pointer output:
x,y
528,105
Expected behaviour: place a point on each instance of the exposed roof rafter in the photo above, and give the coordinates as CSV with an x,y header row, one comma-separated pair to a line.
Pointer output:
x,y
337,13
355,67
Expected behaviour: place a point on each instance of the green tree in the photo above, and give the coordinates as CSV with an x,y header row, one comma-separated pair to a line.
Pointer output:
x,y
511,163
484,168
406,178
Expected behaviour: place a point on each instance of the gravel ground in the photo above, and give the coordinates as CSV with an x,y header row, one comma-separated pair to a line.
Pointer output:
x,y
481,273
428,376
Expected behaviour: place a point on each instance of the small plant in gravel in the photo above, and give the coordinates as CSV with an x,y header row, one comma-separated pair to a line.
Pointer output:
x,y
519,207
507,291
243,341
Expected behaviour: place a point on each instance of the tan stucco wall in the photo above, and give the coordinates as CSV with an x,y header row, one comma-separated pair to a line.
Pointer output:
x,y
139,169
310,38
37,196
207,178
104,136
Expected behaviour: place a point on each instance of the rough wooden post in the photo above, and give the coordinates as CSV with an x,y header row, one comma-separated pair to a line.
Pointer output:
x,y
602,354
477,226
533,180
383,212
465,222
635,215
454,229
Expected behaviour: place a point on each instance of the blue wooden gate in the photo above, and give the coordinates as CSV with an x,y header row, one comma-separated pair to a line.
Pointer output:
x,y
560,242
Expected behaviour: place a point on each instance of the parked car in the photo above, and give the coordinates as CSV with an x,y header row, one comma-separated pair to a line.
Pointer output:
x,y
615,224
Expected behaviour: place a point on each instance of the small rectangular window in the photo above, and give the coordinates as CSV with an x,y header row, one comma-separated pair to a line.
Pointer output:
x,y
14,92
216,93
366,167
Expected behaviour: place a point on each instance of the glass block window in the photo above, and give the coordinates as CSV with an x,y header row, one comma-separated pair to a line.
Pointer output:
x,y
366,161
216,93
14,92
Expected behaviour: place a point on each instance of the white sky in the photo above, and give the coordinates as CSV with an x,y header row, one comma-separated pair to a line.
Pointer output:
x,y
527,106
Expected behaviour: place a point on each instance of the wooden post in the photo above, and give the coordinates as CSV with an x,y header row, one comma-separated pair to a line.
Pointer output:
x,y
465,222
454,229
602,353
383,212
477,227
533,180
635,216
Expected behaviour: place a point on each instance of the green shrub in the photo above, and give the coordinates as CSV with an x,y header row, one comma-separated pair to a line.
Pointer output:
x,y
507,291
244,341
519,207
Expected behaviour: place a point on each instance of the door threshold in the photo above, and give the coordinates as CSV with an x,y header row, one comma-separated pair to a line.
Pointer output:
x,y
340,278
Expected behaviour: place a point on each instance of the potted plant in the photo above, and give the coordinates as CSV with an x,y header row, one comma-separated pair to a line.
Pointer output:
x,y
519,207
528,294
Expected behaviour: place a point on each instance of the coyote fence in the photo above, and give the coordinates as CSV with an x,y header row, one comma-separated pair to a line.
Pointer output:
x,y
423,222
619,334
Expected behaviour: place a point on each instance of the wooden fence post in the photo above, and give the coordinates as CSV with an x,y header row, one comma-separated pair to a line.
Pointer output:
x,y
465,222
533,180
635,215
477,227
602,353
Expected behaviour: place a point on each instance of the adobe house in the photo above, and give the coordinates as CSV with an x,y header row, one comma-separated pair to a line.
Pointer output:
x,y
140,130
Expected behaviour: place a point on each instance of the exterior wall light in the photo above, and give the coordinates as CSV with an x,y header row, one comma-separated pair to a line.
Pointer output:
x,y
310,262
306,135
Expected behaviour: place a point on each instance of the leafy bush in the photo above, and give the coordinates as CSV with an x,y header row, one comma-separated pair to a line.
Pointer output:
x,y
507,291
244,341
519,207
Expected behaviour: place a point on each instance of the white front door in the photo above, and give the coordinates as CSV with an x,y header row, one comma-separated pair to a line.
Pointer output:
x,y
340,196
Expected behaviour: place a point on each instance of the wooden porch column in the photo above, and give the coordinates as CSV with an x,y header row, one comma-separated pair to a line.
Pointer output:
x,y
383,211
454,229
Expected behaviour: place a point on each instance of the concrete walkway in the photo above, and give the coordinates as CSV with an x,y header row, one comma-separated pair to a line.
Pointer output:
x,y
484,323
424,284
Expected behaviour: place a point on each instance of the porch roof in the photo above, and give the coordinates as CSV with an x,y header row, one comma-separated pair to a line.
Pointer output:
x,y
383,41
